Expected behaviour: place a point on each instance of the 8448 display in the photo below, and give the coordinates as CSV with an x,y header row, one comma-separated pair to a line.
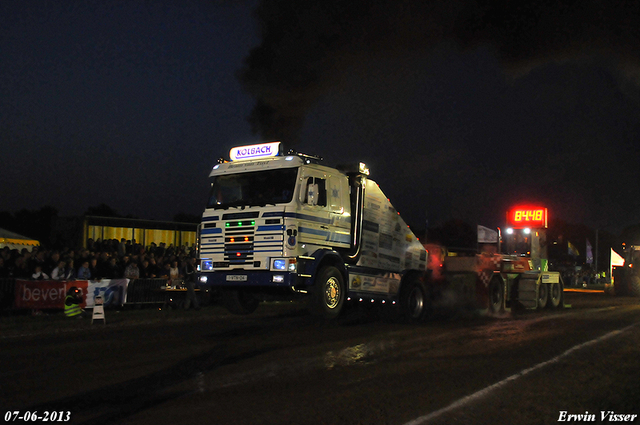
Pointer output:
x,y
46,416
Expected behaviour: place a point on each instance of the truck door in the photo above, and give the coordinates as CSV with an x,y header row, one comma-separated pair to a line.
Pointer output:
x,y
314,218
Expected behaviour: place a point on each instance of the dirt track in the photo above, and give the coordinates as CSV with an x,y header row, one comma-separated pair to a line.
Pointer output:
x,y
282,366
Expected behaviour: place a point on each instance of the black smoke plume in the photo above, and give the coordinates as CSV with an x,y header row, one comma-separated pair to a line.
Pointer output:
x,y
307,46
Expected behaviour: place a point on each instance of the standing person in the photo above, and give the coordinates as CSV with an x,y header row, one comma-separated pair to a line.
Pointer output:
x,y
189,273
153,270
122,248
113,270
72,303
174,273
160,250
70,270
59,272
51,263
4,270
165,271
39,274
84,273
145,271
132,271
20,269
102,265
37,260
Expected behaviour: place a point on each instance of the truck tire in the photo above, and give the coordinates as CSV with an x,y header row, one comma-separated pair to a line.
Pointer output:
x,y
238,301
328,293
415,303
555,294
543,295
496,296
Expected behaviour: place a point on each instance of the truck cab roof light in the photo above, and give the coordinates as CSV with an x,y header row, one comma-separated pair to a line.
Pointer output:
x,y
362,168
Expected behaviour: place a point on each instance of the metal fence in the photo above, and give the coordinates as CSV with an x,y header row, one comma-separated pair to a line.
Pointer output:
x,y
146,291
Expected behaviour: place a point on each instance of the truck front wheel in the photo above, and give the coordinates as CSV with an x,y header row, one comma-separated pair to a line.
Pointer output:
x,y
543,295
328,293
555,294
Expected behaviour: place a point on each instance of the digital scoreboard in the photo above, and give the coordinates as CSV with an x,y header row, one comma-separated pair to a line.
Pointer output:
x,y
527,217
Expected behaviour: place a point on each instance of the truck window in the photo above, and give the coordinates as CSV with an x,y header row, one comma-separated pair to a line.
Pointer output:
x,y
259,188
334,194
322,191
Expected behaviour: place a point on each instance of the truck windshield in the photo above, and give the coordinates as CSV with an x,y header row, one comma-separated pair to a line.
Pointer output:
x,y
259,188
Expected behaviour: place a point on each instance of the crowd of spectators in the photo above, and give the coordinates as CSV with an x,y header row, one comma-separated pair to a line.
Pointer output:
x,y
102,259
582,278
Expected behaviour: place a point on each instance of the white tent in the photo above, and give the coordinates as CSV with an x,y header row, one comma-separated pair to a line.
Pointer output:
x,y
16,241
616,260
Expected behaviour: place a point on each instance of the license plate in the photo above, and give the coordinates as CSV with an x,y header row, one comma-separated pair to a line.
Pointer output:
x,y
237,278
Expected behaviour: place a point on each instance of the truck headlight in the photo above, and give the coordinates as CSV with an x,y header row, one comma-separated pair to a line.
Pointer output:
x,y
206,264
284,264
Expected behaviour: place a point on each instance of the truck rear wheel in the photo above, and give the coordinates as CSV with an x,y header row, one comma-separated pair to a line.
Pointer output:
x,y
543,295
555,294
414,301
328,293
496,296
238,301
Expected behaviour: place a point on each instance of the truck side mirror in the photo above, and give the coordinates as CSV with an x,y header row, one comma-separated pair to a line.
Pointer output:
x,y
312,194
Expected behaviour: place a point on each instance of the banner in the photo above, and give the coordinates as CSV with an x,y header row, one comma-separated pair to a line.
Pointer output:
x,y
46,294
113,292
589,253
572,250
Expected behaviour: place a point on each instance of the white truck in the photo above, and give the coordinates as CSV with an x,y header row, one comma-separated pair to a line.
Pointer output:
x,y
284,225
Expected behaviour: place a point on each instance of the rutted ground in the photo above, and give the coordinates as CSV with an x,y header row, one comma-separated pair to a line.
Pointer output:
x,y
282,366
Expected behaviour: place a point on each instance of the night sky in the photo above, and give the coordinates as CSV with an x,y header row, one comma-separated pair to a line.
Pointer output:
x,y
461,109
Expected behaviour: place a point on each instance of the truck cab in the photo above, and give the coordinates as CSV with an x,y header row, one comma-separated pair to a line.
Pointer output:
x,y
285,224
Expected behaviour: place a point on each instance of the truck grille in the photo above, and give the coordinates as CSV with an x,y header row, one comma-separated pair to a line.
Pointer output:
x,y
238,245
242,240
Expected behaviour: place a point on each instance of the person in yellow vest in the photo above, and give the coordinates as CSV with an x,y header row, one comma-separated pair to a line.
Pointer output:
x,y
72,303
